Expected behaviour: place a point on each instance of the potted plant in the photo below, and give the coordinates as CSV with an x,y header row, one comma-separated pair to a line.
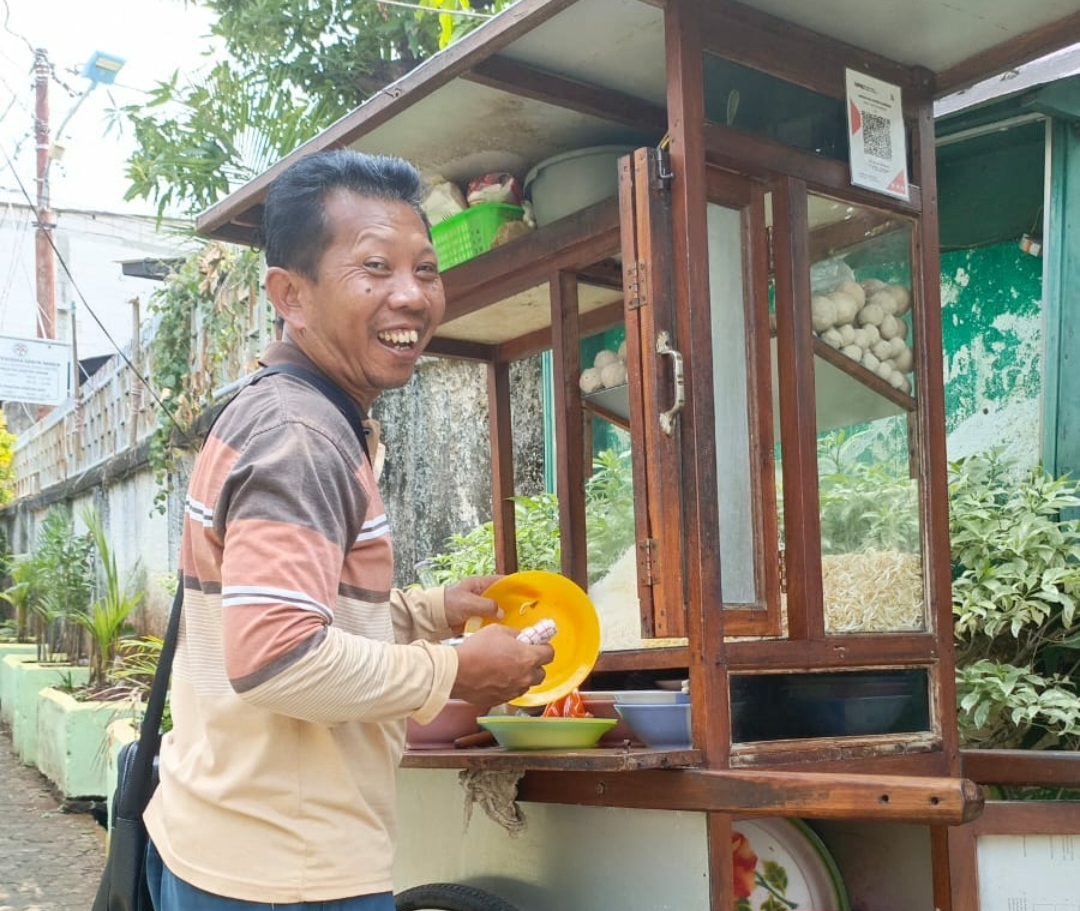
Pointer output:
x,y
106,620
73,723
52,582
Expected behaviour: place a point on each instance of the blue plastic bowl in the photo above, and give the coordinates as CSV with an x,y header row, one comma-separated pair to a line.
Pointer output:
x,y
659,726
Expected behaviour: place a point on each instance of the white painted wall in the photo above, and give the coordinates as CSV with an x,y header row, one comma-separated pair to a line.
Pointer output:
x,y
93,245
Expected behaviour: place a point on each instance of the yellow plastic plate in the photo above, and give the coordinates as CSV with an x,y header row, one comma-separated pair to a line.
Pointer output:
x,y
514,732
528,597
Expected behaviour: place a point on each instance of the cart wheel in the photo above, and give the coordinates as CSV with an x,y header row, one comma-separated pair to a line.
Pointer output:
x,y
449,897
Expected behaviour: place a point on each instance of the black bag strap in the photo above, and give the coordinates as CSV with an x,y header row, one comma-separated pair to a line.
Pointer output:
x,y
349,409
135,799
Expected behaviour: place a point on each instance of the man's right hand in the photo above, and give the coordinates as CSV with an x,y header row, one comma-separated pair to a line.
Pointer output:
x,y
495,667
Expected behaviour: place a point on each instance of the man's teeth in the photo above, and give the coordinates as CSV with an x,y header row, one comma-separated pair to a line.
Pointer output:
x,y
403,337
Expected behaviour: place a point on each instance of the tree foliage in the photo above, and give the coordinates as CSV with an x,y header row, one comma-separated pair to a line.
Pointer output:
x,y
289,68
7,453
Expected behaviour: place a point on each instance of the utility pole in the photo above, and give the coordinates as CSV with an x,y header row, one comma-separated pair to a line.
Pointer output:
x,y
43,252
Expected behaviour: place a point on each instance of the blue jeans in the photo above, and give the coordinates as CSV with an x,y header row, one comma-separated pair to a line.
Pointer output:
x,y
172,894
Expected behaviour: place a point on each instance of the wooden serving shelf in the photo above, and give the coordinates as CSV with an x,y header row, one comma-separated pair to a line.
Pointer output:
x,y
599,759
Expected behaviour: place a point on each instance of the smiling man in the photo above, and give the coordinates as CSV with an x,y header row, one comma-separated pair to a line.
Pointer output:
x,y
297,664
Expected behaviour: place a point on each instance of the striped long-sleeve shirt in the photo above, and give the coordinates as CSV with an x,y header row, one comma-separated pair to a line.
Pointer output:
x,y
296,664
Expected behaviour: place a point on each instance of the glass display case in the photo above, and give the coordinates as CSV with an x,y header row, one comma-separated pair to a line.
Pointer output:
x,y
783,533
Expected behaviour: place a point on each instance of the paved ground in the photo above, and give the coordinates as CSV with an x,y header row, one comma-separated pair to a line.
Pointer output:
x,y
49,860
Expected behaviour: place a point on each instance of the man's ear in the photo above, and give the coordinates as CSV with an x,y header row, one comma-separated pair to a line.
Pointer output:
x,y
283,287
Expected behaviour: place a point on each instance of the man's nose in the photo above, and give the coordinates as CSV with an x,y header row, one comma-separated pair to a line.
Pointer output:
x,y
409,291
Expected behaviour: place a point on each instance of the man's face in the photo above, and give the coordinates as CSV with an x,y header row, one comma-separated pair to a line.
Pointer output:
x,y
376,300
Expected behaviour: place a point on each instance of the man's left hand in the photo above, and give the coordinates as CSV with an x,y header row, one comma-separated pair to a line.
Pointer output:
x,y
465,599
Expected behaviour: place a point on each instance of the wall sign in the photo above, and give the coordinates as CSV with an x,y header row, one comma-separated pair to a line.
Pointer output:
x,y
1029,872
34,371
876,138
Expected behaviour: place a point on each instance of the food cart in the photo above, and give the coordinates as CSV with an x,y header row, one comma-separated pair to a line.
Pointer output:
x,y
768,249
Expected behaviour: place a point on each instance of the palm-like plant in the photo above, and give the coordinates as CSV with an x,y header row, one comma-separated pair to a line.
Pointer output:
x,y
18,595
107,619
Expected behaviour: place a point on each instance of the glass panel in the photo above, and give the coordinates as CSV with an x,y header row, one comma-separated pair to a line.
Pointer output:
x,y
778,449
868,475
733,468
609,493
755,102
844,704
609,531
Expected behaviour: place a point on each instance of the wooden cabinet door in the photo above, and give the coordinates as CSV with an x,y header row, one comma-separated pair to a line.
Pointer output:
x,y
657,390
709,493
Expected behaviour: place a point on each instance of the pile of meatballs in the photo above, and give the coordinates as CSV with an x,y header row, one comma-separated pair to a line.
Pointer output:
x,y
865,321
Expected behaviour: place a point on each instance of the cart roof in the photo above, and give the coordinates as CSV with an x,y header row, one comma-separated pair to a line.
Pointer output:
x,y
479,105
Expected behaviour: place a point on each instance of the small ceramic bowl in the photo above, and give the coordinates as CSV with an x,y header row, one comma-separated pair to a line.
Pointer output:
x,y
659,726
457,719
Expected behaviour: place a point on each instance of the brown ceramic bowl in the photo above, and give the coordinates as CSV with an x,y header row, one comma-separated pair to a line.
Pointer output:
x,y
457,719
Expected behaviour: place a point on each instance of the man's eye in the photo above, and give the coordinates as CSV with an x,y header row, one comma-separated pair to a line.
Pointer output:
x,y
375,265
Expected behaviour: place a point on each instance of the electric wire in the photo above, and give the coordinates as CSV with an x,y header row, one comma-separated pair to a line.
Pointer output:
x,y
11,104
82,298
20,228
60,82
6,56
15,99
7,28
469,14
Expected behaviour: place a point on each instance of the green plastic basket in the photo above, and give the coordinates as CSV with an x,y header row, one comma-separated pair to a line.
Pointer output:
x,y
470,233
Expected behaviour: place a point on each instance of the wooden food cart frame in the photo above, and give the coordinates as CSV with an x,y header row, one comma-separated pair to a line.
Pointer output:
x,y
566,281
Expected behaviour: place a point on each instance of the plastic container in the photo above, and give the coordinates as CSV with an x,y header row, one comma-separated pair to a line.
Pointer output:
x,y
651,697
457,719
660,726
573,180
470,233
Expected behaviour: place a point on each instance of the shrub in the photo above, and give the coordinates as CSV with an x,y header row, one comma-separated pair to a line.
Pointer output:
x,y
1016,581
609,519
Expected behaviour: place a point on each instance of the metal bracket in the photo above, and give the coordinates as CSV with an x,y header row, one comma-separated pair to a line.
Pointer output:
x,y
664,174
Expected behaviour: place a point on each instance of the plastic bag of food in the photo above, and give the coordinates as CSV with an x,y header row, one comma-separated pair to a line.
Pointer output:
x,y
443,200
508,231
496,187
826,274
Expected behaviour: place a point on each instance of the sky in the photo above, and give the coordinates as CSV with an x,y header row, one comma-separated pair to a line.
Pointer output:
x,y
154,37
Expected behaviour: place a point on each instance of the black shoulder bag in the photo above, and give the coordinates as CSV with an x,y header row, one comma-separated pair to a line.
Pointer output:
x,y
123,884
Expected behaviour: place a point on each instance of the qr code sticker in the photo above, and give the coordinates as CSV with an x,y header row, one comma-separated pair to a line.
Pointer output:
x,y
877,137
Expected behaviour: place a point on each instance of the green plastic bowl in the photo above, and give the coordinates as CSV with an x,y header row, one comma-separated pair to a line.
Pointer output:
x,y
519,732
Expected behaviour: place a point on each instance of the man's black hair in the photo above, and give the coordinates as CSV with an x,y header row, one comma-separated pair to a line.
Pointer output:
x,y
295,232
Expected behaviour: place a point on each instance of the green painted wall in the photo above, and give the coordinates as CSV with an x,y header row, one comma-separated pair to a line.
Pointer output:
x,y
992,333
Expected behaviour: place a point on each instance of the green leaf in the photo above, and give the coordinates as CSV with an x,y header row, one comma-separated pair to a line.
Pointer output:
x,y
775,875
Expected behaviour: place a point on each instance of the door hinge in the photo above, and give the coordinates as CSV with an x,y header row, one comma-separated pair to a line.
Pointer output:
x,y
771,249
649,567
782,561
636,284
